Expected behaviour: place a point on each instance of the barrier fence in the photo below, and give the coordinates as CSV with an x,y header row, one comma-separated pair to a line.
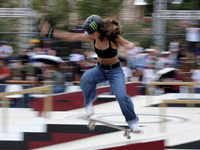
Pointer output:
x,y
5,102
48,101
163,104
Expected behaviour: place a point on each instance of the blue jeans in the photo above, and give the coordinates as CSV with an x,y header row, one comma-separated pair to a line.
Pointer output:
x,y
116,80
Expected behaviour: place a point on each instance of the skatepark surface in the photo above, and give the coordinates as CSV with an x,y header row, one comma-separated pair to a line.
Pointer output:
x,y
178,126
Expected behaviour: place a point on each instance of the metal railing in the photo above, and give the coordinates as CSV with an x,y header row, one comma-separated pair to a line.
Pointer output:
x,y
164,102
5,102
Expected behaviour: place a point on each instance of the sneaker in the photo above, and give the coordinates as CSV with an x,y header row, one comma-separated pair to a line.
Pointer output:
x,y
135,127
89,110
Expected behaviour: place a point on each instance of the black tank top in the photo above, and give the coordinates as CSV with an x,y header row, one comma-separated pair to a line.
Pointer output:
x,y
107,53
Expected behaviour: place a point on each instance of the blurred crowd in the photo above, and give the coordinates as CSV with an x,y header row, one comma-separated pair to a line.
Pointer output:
x,y
139,64
24,67
179,63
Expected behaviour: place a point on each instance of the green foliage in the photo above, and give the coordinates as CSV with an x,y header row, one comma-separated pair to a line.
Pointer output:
x,y
136,27
39,5
56,12
7,26
98,7
59,12
185,5
7,4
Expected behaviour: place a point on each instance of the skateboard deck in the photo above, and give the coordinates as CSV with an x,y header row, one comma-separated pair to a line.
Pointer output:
x,y
92,122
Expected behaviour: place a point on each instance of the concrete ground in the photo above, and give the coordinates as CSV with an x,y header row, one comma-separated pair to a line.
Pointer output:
x,y
177,125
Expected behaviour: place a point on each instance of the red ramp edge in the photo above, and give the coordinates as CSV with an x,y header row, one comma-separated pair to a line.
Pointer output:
x,y
152,145
75,100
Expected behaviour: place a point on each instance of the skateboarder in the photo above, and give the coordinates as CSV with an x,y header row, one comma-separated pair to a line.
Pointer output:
x,y
105,35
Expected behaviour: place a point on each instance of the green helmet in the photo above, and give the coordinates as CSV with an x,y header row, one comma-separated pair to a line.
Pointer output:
x,y
92,23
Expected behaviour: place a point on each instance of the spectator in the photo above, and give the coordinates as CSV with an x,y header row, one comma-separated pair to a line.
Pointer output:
x,y
6,51
24,65
5,72
139,59
146,59
147,75
47,46
39,51
178,77
196,78
192,35
37,66
196,51
177,54
174,52
75,58
57,77
164,60
35,43
127,71
78,29
38,74
131,56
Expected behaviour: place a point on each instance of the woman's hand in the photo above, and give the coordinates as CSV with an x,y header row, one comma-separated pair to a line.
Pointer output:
x,y
44,27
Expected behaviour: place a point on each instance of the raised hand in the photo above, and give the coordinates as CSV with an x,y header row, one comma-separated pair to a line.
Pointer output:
x,y
44,27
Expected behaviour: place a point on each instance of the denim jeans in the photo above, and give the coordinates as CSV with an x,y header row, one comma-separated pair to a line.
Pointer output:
x,y
116,80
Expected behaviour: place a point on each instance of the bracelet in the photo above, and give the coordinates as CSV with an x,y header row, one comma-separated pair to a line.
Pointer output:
x,y
50,33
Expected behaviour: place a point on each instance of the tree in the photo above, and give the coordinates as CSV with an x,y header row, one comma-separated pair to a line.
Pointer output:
x,y
57,11
98,7
7,26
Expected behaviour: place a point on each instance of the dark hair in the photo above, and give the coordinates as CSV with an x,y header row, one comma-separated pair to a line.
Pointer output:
x,y
111,30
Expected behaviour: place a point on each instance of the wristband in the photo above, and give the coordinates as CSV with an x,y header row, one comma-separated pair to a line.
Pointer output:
x,y
50,33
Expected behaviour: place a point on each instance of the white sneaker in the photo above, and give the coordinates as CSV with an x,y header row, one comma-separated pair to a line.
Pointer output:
x,y
135,127
89,110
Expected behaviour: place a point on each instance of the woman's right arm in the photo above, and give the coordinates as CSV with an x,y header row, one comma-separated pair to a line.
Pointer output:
x,y
71,37
44,27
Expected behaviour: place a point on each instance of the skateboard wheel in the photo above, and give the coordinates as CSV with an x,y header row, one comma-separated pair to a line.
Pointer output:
x,y
92,127
128,137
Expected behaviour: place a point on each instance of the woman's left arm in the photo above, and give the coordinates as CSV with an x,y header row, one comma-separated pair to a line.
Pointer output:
x,y
124,43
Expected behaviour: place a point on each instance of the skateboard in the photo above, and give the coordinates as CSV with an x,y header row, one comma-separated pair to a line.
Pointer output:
x,y
92,122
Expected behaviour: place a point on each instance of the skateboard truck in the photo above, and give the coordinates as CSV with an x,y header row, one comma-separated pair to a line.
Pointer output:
x,y
92,122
